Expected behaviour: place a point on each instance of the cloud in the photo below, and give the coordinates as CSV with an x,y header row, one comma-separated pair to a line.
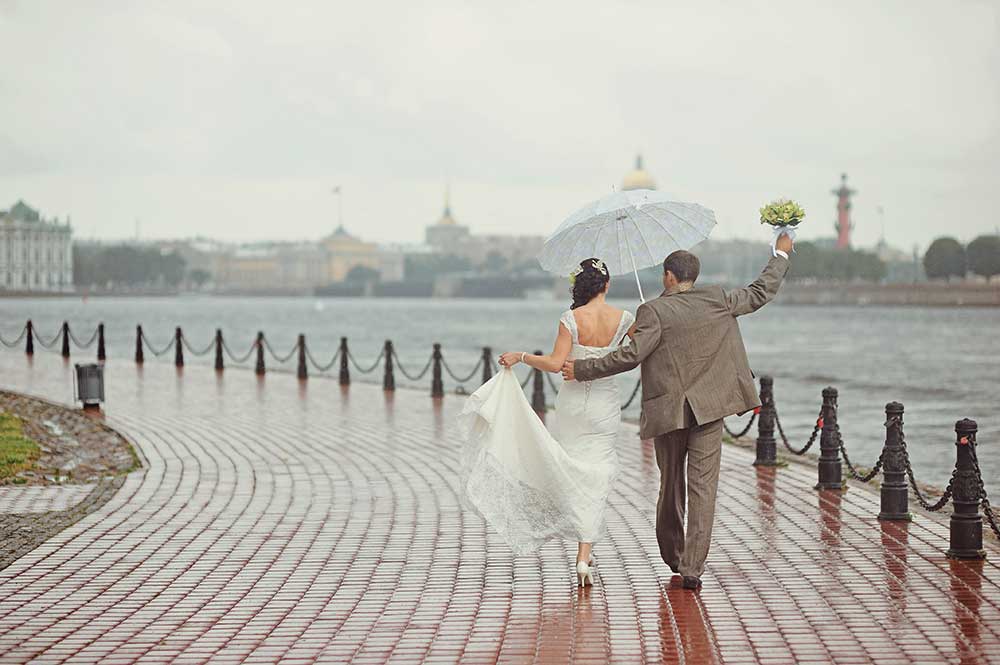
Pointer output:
x,y
235,121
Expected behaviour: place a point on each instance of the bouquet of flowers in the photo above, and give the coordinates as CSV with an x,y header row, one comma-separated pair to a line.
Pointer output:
x,y
783,216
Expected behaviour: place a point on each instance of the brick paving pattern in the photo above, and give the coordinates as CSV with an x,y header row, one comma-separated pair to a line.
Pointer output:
x,y
39,499
282,522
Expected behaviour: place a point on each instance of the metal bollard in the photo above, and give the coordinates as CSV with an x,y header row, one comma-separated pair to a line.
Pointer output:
x,y
487,364
178,347
538,389
389,380
65,339
259,368
29,345
303,371
220,364
345,372
101,351
966,538
830,472
895,496
139,359
767,453
437,385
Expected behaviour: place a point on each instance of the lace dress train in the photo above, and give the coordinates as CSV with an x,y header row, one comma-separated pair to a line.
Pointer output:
x,y
531,485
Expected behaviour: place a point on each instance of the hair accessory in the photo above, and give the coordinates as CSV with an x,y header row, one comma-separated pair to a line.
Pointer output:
x,y
600,267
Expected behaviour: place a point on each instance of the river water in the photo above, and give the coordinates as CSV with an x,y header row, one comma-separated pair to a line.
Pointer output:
x,y
942,364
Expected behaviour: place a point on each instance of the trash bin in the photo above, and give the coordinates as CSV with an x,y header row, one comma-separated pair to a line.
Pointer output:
x,y
90,385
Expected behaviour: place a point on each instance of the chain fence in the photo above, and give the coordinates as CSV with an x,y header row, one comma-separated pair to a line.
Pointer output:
x,y
527,379
631,398
743,432
857,475
16,342
88,344
49,344
369,370
412,377
195,352
926,504
984,501
152,349
317,366
464,379
242,359
280,359
812,437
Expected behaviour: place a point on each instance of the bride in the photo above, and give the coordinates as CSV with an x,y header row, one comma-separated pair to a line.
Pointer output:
x,y
528,484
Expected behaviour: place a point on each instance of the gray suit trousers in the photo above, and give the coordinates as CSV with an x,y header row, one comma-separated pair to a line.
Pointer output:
x,y
701,447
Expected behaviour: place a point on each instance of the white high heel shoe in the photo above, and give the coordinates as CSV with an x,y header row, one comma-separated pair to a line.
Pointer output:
x,y
583,574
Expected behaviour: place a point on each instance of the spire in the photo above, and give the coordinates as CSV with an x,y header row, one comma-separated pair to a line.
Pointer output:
x,y
638,161
446,217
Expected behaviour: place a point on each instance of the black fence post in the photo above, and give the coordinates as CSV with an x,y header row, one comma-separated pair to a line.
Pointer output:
x,y
966,539
437,385
830,471
139,359
178,347
389,380
102,354
303,371
65,339
895,496
345,372
538,389
767,453
259,368
220,364
487,364
29,345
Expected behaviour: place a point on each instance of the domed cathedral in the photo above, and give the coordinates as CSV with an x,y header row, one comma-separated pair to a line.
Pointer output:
x,y
638,178
447,235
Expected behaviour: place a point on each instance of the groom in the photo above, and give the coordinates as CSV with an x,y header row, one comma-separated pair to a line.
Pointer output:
x,y
695,372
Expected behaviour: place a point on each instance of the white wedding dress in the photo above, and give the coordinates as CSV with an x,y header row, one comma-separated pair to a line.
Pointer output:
x,y
528,484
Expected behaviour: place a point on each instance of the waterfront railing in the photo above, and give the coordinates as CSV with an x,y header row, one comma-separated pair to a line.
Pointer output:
x,y
966,490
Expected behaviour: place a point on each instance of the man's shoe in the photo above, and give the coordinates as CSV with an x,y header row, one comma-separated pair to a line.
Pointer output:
x,y
691,582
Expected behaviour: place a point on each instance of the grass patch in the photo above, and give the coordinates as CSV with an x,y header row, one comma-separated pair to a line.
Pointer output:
x,y
17,453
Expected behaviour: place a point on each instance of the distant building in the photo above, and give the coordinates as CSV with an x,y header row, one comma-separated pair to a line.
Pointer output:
x,y
638,178
299,267
447,236
36,254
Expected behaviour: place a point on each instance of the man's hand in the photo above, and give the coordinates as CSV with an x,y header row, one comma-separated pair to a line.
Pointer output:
x,y
567,371
784,243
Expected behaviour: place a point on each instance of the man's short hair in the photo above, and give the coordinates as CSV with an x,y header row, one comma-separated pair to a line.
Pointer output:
x,y
684,265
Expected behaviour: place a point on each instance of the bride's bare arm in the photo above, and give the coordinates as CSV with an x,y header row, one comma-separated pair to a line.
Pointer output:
x,y
551,362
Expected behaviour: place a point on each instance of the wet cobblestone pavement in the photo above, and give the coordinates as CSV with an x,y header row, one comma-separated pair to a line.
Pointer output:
x,y
274,521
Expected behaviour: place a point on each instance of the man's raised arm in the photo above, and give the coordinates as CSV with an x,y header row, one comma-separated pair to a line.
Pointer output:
x,y
762,291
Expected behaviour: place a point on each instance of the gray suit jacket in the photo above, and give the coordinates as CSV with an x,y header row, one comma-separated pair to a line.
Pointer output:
x,y
694,365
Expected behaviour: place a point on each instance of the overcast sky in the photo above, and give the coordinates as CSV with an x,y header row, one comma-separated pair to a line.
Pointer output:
x,y
236,121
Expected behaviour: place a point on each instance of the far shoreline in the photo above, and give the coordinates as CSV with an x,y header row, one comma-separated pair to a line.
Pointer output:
x,y
922,294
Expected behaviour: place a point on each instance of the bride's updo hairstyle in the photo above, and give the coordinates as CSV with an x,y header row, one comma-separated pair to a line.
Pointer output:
x,y
589,279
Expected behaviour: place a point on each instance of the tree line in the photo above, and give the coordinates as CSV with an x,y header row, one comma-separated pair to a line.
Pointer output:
x,y
947,257
104,266
813,261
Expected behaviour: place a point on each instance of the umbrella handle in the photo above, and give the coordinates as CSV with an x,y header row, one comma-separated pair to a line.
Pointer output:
x,y
635,271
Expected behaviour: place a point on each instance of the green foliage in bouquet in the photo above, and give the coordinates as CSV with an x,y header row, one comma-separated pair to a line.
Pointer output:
x,y
782,212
